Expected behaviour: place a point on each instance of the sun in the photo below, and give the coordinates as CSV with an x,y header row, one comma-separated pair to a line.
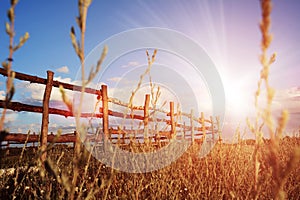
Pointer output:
x,y
238,98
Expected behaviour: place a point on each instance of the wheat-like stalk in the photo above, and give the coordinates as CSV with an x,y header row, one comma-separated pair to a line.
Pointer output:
x,y
7,64
79,48
264,115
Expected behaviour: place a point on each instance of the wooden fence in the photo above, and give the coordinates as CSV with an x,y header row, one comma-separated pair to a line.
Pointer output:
x,y
197,125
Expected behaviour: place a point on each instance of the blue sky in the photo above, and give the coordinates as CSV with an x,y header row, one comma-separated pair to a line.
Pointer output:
x,y
227,30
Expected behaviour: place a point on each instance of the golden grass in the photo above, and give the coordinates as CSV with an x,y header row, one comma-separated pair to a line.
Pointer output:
x,y
226,173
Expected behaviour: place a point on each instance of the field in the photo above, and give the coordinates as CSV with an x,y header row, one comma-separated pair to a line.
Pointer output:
x,y
265,168
226,173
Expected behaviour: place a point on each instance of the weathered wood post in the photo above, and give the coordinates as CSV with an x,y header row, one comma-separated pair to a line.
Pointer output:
x,y
203,126
173,128
219,131
123,136
184,132
212,128
119,135
105,113
7,148
33,143
192,126
45,118
74,143
146,118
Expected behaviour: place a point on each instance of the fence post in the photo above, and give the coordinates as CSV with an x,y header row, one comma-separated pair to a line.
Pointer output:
x,y
105,112
45,119
219,132
172,119
146,118
192,126
74,143
212,128
184,132
7,148
33,143
203,126
123,137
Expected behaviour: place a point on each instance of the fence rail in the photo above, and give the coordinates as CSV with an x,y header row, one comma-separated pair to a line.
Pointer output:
x,y
36,79
207,126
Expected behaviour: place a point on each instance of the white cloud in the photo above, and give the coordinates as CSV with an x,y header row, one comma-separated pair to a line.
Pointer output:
x,y
294,93
115,79
64,80
63,69
130,64
288,99
2,95
33,95
10,116
36,91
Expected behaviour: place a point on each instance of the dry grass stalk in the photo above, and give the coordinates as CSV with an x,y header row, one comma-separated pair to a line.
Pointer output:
x,y
264,116
147,71
79,48
10,30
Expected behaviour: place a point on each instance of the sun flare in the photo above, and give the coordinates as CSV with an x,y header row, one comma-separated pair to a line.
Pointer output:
x,y
238,99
